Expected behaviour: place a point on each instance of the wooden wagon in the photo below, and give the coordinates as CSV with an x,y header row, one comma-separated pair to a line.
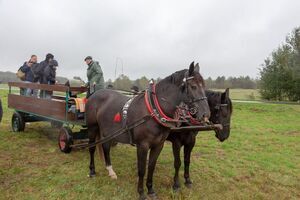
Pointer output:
x,y
59,110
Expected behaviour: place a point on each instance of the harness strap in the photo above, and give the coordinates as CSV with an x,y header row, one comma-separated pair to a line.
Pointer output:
x,y
124,119
115,134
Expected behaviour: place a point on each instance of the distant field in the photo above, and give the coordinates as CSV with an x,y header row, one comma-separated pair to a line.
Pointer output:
x,y
260,160
243,94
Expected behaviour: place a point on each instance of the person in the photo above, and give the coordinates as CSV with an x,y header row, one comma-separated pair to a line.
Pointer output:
x,y
94,75
39,72
41,67
26,68
49,76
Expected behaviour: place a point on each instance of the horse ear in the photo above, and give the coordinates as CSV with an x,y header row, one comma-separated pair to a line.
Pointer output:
x,y
226,93
197,68
191,69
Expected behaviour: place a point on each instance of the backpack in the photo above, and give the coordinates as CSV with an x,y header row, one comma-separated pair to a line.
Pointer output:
x,y
20,75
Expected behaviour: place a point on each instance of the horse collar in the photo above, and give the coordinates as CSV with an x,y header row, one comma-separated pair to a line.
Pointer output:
x,y
155,109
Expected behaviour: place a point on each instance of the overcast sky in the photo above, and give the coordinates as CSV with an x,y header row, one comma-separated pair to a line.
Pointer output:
x,y
152,38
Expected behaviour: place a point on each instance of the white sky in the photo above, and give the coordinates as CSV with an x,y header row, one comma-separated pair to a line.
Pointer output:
x,y
153,38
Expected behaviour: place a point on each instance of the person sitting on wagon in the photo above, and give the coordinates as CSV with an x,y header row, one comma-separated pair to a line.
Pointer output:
x,y
29,77
94,75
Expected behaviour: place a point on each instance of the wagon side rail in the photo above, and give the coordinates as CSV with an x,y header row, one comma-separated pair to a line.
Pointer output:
x,y
54,109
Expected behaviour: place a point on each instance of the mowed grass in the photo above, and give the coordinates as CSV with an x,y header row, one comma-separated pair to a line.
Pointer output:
x,y
260,160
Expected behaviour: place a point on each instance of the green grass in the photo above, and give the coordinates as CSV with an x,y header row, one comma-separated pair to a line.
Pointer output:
x,y
260,160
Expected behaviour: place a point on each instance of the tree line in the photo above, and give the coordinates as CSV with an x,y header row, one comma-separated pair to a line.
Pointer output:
x,y
280,72
123,82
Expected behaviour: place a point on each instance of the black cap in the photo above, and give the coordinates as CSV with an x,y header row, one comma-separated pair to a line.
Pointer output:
x,y
88,58
49,56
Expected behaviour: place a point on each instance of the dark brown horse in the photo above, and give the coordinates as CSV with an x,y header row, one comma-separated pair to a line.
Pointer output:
x,y
221,110
104,106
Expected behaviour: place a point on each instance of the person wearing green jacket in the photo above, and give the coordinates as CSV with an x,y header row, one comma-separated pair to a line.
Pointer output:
x,y
94,75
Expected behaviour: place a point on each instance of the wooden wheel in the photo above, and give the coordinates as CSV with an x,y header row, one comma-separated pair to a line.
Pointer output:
x,y
65,139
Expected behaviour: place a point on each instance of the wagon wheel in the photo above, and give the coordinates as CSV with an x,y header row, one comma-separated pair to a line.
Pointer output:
x,y
17,122
65,139
56,124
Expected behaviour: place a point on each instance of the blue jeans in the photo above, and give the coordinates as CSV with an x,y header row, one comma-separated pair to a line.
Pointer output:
x,y
29,91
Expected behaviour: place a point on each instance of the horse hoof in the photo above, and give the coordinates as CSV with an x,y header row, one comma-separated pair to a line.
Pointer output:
x,y
188,184
142,197
153,196
114,176
92,175
176,188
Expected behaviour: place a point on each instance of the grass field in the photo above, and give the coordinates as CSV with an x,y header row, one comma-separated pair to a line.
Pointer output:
x,y
260,160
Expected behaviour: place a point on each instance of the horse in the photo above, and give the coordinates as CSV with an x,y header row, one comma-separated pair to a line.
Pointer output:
x,y
221,109
103,119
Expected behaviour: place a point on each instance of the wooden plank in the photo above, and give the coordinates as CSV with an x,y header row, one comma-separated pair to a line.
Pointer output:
x,y
59,88
43,107
79,89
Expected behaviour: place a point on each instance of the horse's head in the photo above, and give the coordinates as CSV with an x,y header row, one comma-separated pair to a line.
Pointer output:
x,y
221,110
185,86
193,89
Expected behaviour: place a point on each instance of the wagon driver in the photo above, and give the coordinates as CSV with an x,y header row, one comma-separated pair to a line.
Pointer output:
x,y
94,75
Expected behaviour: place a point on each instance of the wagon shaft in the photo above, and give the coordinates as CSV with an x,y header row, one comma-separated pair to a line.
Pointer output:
x,y
198,128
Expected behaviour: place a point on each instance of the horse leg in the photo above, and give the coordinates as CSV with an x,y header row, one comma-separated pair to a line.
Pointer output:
x,y
142,153
176,145
154,153
106,151
187,157
92,163
92,137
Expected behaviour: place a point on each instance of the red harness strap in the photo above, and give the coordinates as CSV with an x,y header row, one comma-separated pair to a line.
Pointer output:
x,y
159,114
154,114
158,106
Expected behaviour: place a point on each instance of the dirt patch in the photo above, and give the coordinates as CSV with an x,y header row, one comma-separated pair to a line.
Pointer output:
x,y
257,110
292,133
242,178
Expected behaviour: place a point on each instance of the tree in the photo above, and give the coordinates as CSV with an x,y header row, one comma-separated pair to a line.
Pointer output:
x,y
280,73
122,83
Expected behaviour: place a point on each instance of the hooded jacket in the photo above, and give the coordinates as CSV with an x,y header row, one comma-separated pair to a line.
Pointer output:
x,y
95,75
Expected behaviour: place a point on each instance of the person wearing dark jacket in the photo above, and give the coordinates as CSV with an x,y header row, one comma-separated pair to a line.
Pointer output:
x,y
94,75
49,76
29,76
39,72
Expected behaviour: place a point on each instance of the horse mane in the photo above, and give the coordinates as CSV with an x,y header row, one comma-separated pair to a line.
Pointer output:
x,y
178,76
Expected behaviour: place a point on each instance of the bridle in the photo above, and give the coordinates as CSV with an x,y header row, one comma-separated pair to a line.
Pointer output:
x,y
193,109
182,113
218,109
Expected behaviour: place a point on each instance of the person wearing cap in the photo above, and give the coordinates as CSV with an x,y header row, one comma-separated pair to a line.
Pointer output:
x,y
49,76
43,75
39,70
94,75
